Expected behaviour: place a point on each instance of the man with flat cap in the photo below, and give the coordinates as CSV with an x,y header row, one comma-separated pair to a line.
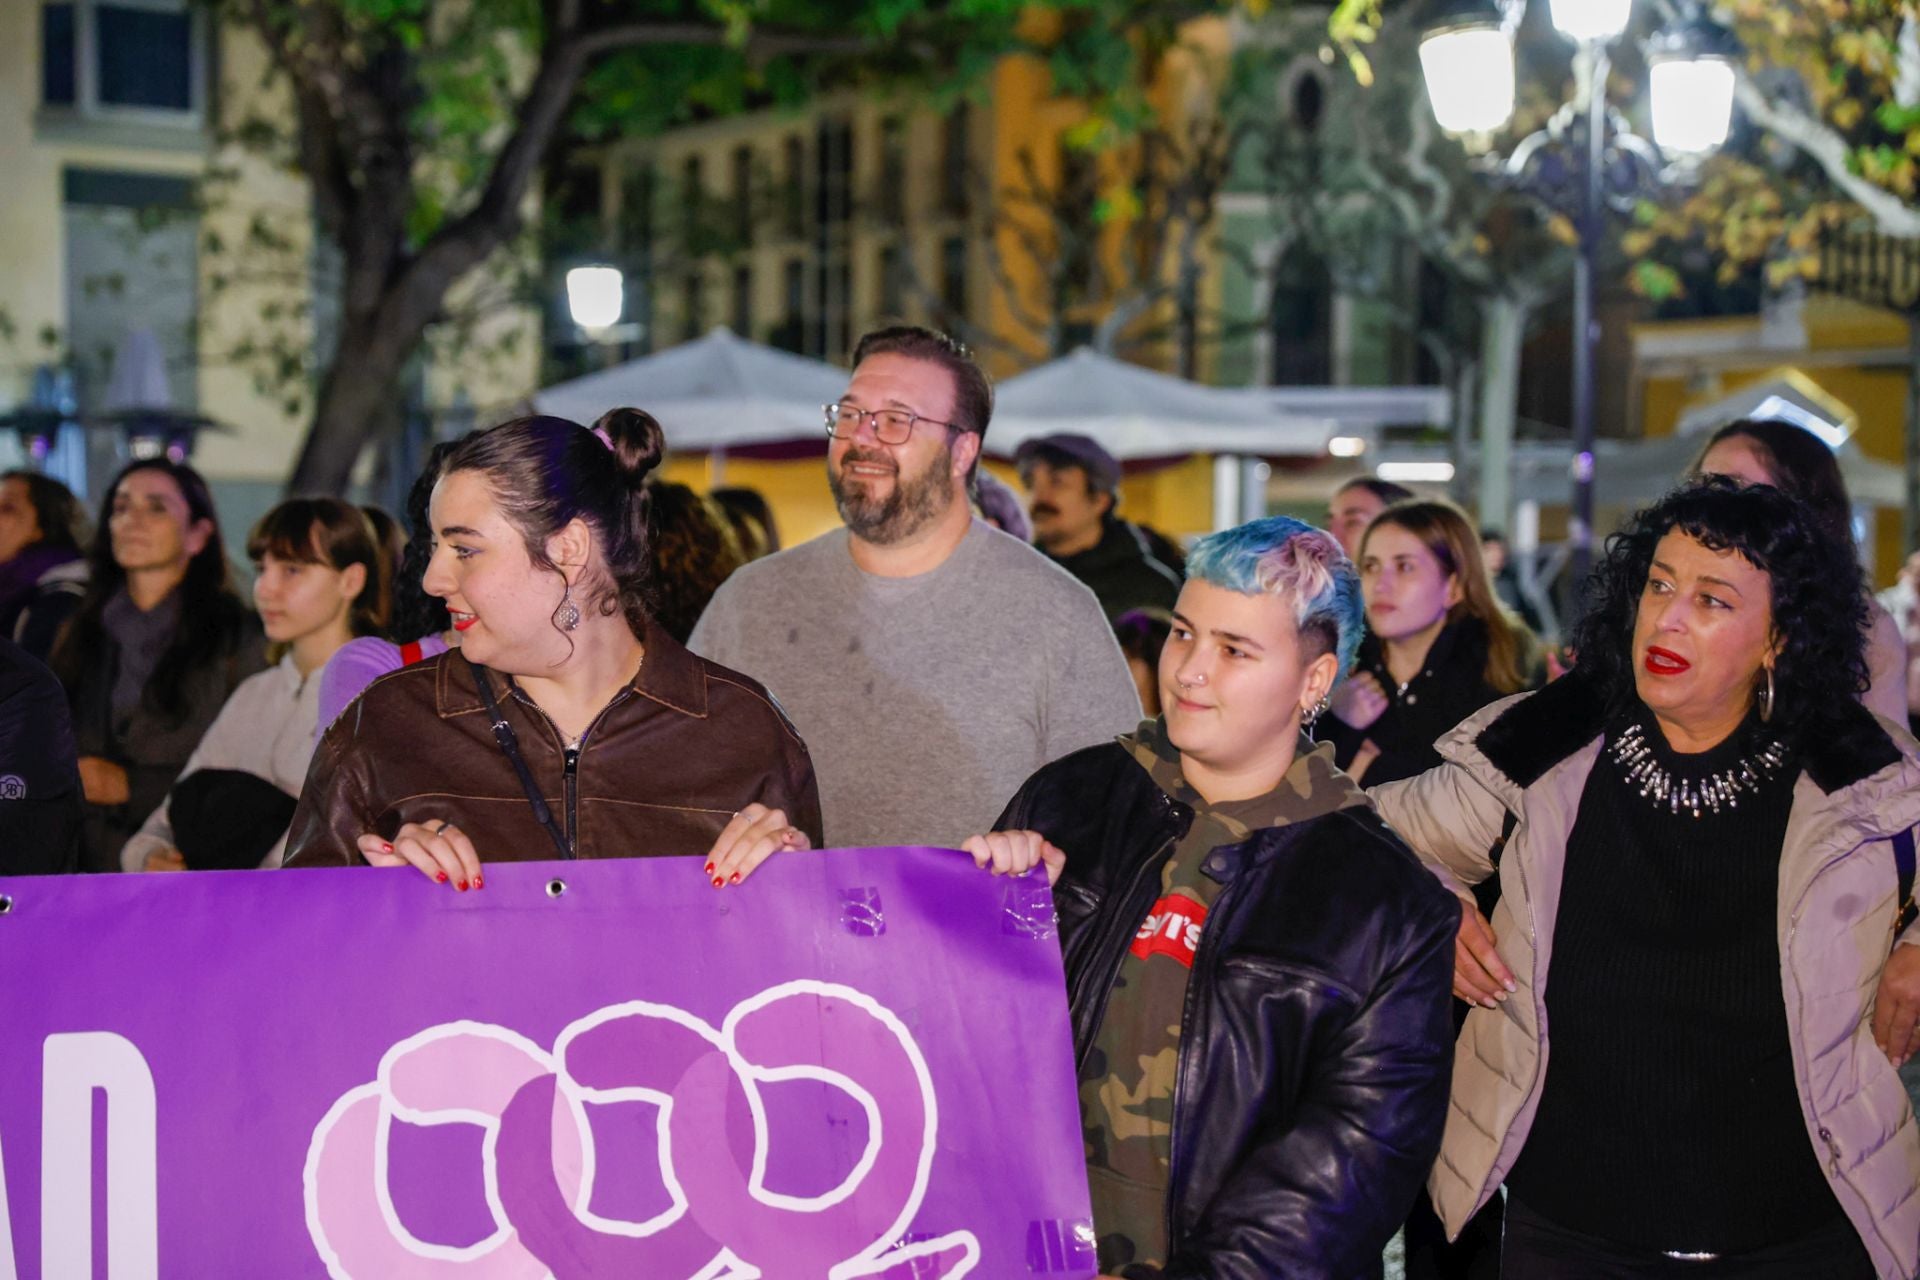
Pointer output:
x,y
1074,486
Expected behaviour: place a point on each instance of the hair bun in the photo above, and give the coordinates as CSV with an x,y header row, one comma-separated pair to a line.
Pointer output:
x,y
636,439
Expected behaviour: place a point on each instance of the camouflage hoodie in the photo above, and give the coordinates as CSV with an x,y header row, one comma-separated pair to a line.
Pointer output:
x,y
1126,1083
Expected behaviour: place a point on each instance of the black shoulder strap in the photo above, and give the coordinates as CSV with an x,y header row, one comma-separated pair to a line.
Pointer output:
x,y
1499,846
510,747
1903,871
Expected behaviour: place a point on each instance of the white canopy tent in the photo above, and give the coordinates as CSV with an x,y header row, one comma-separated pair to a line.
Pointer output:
x,y
710,393
1138,413
1786,395
1359,410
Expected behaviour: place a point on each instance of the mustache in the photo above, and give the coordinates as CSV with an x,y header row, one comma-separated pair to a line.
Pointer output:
x,y
1043,509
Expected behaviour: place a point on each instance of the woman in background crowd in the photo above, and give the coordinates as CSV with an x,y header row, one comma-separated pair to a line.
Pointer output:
x,y
1439,644
160,641
1000,506
418,626
752,519
317,585
1142,634
693,548
1795,460
1355,504
569,723
1681,1059
390,540
43,573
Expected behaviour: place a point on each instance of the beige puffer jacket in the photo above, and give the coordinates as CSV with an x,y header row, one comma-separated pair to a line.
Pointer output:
x,y
1531,755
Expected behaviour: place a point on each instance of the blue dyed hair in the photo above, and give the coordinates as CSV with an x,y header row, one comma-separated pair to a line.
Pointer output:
x,y
1296,563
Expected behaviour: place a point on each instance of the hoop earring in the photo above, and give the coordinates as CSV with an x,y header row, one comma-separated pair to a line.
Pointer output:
x,y
1765,698
567,616
1312,715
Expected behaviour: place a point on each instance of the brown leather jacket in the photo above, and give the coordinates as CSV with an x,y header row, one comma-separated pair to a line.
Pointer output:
x,y
663,769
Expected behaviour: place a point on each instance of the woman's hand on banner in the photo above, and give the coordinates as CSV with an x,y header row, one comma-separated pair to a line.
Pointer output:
x,y
1013,853
165,860
439,849
750,837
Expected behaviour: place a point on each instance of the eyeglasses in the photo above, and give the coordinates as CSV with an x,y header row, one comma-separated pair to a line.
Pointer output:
x,y
890,426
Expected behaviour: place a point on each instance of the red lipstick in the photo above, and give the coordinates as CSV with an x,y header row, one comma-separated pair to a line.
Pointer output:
x,y
1665,662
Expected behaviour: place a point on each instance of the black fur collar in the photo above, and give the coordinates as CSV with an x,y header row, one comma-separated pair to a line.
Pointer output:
x,y
1535,735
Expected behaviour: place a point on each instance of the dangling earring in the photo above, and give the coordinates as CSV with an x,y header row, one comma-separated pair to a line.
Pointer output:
x,y
1312,715
1765,698
567,616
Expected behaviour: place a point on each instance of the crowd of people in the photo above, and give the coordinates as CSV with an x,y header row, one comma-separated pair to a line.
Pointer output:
x,y
1319,811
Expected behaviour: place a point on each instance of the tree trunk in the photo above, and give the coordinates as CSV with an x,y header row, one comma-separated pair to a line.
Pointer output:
x,y
359,399
1503,323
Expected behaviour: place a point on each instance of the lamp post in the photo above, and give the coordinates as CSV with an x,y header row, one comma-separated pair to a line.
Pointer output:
x,y
1585,158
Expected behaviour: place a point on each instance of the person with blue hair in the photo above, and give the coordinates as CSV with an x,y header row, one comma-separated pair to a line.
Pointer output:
x,y
1258,969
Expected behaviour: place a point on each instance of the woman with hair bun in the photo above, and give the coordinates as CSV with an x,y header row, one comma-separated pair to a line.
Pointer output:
x,y
568,723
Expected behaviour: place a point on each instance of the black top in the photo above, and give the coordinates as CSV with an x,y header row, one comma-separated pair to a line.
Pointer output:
x,y
1669,1118
40,802
1122,573
1450,686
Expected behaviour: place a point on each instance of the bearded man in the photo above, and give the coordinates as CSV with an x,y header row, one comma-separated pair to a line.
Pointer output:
x,y
930,661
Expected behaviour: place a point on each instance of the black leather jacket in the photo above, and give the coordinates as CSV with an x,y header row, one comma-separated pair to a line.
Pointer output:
x,y
1316,1047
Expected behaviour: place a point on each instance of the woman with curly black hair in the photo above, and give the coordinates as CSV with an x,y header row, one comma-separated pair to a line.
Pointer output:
x,y
1708,845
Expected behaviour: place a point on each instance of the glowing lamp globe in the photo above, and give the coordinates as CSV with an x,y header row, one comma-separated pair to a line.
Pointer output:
x,y
1692,103
595,296
1469,73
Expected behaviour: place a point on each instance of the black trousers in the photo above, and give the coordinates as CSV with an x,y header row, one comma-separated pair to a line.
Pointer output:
x,y
1536,1249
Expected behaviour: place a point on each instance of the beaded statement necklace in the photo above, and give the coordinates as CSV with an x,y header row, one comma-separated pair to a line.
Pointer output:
x,y
1717,791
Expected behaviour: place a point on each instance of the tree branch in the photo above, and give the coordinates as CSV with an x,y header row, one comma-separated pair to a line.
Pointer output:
x,y
1828,149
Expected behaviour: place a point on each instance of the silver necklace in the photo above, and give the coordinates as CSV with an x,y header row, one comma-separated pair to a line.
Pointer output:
x,y
1717,791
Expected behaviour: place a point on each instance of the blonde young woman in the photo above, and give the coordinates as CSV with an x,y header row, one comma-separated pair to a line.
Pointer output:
x,y
1439,643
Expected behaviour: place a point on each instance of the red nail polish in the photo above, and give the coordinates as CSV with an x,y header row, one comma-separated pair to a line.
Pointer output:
x,y
441,877
717,882
709,868
461,886
736,877
479,883
385,847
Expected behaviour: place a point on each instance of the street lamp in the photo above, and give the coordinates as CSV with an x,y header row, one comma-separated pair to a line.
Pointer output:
x,y
1585,158
596,296
1690,79
1466,58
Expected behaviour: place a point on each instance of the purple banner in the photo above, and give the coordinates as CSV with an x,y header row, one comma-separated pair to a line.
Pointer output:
x,y
856,1064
